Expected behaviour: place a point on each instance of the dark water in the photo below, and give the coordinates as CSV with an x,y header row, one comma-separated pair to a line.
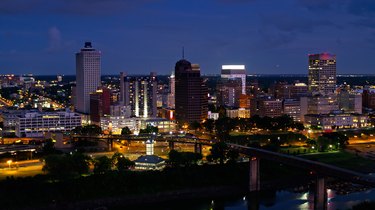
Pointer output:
x,y
281,200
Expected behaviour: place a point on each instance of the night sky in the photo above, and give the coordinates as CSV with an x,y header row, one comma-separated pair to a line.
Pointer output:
x,y
139,36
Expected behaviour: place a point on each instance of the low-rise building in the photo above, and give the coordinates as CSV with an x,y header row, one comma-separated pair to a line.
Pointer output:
x,y
35,124
115,124
292,107
149,161
336,120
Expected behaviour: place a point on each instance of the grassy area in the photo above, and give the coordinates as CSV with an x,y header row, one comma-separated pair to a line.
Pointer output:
x,y
344,159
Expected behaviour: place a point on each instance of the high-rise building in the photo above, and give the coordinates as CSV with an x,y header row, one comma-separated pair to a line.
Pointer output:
x,y
235,71
191,93
100,102
140,94
322,73
229,92
88,72
172,92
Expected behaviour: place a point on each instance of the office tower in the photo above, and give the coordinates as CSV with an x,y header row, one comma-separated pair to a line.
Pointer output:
x,y
235,71
322,73
88,67
122,88
100,102
229,92
191,93
172,92
140,94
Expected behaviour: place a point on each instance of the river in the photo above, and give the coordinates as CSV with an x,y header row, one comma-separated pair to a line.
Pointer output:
x,y
273,200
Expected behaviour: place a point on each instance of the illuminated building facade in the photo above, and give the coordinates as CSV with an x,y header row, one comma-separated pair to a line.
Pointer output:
x,y
229,92
115,124
35,124
88,72
320,104
336,120
140,94
322,73
233,72
292,107
268,107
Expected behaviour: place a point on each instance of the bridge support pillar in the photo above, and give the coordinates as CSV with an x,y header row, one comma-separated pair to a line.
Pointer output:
x,y
320,196
110,145
198,148
171,145
254,177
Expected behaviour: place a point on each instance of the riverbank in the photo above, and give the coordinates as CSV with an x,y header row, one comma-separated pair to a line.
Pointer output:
x,y
151,201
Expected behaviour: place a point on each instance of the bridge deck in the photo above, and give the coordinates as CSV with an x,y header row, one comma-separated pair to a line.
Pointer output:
x,y
317,167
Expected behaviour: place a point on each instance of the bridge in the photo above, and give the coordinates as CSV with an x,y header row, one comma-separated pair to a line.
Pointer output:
x,y
171,139
320,169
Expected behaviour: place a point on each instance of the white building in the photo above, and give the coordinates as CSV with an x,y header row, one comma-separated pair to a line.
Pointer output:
x,y
115,124
336,120
172,92
149,161
233,72
88,72
35,124
139,92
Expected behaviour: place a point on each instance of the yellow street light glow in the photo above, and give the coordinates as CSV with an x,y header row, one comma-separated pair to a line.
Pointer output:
x,y
233,67
9,162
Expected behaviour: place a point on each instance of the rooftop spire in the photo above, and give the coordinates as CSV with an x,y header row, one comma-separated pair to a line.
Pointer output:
x,y
183,53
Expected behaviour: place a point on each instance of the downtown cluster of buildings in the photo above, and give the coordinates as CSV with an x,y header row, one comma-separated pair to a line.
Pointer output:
x,y
318,104
138,101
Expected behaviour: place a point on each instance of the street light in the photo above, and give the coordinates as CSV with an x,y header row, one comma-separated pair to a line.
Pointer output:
x,y
9,162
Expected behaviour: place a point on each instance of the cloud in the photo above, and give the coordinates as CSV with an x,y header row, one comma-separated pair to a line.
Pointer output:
x,y
54,39
236,1
362,7
77,7
22,6
288,23
319,5
271,38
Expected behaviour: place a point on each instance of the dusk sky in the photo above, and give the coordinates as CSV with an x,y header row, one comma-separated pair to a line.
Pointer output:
x,y
139,36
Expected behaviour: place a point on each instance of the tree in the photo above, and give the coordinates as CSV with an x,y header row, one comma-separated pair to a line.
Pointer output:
x,y
124,163
183,158
121,162
125,131
233,155
149,129
80,162
174,158
49,147
102,164
218,151
87,130
209,125
195,125
65,166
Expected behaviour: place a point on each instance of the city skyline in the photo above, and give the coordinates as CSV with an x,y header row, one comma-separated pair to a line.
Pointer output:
x,y
268,37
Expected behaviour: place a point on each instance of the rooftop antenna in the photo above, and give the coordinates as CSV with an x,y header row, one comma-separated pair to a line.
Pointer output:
x,y
183,53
